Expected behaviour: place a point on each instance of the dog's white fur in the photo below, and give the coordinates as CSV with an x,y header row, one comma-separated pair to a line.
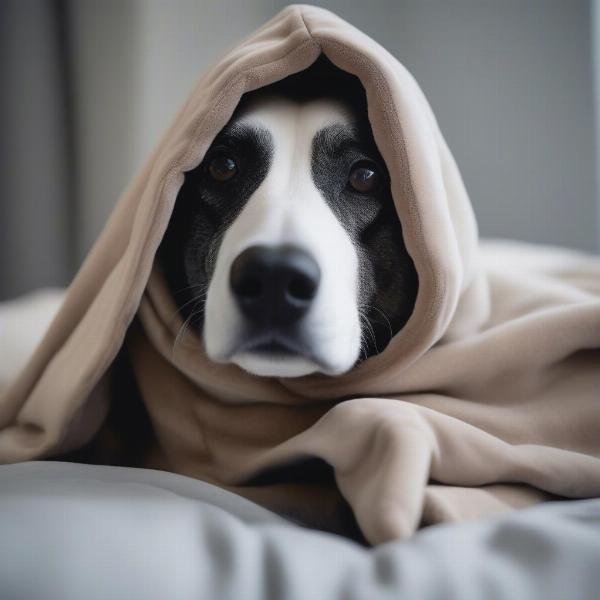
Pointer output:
x,y
287,208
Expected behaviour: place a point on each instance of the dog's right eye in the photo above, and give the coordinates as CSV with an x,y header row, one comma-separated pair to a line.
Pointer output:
x,y
222,168
364,177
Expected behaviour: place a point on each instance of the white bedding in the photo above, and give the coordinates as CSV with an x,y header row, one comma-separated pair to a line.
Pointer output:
x,y
74,532
23,321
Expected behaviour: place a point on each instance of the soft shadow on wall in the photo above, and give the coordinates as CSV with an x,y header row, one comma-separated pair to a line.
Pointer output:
x,y
93,84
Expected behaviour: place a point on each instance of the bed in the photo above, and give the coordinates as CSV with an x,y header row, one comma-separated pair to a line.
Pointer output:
x,y
71,531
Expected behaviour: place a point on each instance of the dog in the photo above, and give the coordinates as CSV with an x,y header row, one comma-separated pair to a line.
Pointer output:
x,y
284,249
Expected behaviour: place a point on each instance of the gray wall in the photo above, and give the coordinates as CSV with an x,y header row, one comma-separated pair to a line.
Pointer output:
x,y
511,84
105,68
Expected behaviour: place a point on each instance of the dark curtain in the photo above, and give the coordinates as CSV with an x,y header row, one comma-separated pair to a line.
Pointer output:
x,y
36,158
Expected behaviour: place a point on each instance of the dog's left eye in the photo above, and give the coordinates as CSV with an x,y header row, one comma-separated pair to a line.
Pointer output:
x,y
222,168
364,177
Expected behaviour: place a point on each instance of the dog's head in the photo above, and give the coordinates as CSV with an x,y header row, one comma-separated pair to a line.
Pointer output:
x,y
284,249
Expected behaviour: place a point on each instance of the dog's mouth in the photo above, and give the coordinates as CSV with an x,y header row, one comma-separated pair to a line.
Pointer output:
x,y
277,354
272,348
273,342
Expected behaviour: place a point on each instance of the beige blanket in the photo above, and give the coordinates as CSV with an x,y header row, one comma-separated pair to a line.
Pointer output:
x,y
488,398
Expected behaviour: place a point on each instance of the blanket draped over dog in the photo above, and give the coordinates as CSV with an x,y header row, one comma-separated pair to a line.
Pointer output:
x,y
488,398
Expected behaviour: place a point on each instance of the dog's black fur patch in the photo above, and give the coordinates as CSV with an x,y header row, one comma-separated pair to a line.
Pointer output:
x,y
203,210
388,280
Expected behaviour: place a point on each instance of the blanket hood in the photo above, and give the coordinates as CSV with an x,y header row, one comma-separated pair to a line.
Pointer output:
x,y
244,424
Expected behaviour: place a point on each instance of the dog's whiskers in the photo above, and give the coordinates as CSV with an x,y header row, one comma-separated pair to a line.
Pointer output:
x,y
190,287
196,311
198,297
369,329
180,335
389,324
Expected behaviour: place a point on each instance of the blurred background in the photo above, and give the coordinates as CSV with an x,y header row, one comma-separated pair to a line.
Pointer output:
x,y
87,88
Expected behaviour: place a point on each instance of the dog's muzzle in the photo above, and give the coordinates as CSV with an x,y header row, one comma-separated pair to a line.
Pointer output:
x,y
274,288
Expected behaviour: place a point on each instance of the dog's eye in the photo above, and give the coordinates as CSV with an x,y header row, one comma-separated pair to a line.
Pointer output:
x,y
364,177
222,168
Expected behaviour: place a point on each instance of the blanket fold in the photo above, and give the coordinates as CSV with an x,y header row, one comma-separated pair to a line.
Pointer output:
x,y
487,399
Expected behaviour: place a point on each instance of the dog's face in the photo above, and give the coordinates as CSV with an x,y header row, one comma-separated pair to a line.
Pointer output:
x,y
284,249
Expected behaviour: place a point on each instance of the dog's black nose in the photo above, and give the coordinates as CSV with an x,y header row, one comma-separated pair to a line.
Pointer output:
x,y
274,285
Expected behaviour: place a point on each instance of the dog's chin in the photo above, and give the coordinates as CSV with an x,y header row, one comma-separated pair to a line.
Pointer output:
x,y
278,354
274,364
277,363
280,360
